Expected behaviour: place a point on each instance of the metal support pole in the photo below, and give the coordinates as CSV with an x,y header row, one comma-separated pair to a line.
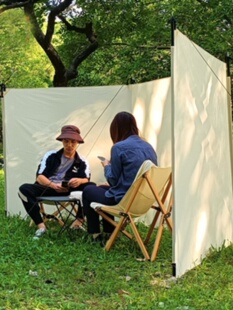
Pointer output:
x,y
173,28
2,89
228,60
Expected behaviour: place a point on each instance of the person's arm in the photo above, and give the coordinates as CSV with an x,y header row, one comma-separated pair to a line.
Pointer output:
x,y
75,182
43,180
105,162
113,170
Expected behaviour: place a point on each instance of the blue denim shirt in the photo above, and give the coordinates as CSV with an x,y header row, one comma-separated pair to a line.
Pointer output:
x,y
126,158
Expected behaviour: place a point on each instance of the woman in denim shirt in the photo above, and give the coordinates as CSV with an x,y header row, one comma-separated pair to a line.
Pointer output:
x,y
128,153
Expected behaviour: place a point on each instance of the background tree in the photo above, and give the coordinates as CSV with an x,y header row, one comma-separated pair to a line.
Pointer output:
x,y
106,42
134,43
120,25
36,12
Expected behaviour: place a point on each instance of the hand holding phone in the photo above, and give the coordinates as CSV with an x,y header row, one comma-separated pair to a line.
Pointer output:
x,y
64,183
101,158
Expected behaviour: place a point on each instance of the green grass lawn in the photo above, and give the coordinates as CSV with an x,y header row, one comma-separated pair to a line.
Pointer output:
x,y
75,274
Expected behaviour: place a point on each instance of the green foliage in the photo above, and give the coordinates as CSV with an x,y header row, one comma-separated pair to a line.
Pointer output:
x,y
23,64
134,38
131,44
75,274
207,23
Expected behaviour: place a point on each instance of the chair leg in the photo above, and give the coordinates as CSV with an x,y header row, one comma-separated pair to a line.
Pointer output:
x,y
115,233
158,239
169,223
152,226
168,218
139,239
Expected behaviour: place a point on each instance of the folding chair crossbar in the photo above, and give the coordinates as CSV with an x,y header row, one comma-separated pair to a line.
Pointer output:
x,y
70,212
50,217
54,216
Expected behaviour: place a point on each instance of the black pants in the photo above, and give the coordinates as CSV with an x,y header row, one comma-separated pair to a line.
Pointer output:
x,y
96,194
29,192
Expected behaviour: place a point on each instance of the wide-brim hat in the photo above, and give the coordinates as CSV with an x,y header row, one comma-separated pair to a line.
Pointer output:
x,y
70,132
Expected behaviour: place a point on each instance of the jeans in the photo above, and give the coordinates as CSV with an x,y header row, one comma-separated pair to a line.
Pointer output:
x,y
91,194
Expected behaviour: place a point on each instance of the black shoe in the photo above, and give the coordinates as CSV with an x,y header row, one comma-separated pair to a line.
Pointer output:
x,y
101,239
98,240
107,236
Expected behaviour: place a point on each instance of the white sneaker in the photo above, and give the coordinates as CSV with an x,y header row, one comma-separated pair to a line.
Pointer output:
x,y
39,233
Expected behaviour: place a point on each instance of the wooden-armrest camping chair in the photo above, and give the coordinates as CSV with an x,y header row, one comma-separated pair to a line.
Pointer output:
x,y
136,202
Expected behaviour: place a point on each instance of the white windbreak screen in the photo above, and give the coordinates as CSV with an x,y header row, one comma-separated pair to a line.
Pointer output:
x,y
203,205
152,109
33,118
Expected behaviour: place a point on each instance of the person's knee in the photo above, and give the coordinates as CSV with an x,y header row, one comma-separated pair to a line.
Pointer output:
x,y
22,193
22,189
87,191
25,191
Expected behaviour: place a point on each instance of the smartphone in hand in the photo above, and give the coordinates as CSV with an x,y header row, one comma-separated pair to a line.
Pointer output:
x,y
64,183
101,158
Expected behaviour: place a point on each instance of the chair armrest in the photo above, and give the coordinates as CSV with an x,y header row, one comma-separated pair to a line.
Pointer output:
x,y
77,195
95,205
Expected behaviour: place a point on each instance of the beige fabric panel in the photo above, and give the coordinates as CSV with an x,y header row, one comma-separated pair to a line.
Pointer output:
x,y
203,213
33,118
152,109
32,121
230,123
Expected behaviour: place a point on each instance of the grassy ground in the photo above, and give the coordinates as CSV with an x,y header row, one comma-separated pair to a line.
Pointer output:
x,y
74,274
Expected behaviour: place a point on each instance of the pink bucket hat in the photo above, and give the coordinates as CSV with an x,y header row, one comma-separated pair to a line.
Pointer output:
x,y
70,132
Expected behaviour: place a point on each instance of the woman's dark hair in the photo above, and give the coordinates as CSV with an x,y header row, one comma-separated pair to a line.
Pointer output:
x,y
123,125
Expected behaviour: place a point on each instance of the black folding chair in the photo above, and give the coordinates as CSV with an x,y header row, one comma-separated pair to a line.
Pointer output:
x,y
62,203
